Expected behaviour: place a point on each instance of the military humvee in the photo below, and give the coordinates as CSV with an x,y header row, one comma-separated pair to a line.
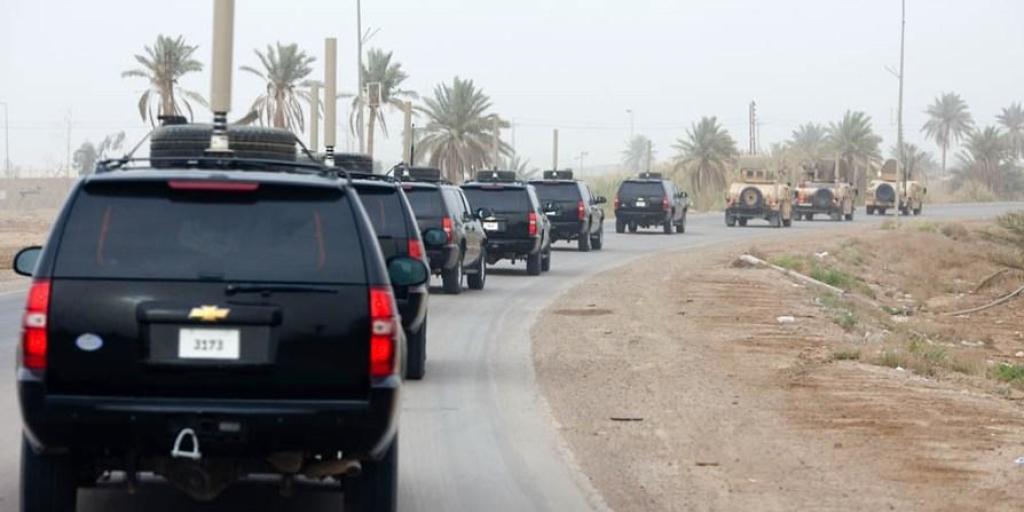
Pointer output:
x,y
884,192
758,194
826,187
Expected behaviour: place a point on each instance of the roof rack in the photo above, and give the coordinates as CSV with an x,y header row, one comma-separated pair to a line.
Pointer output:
x,y
565,174
225,163
496,176
650,176
420,174
360,175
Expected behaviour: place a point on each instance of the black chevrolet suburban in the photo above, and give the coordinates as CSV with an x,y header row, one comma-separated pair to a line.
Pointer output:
x,y
440,205
207,319
574,211
516,226
649,200
398,235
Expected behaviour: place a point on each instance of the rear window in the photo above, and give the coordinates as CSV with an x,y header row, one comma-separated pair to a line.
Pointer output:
x,y
547,192
385,209
641,188
147,231
501,200
426,202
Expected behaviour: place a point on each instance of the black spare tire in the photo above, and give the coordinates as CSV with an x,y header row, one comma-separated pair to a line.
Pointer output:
x,y
885,193
751,197
822,199
354,162
192,140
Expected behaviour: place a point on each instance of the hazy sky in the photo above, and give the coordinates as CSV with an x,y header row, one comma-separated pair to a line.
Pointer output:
x,y
577,65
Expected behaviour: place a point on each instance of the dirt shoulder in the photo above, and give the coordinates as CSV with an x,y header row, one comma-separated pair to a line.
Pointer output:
x,y
677,388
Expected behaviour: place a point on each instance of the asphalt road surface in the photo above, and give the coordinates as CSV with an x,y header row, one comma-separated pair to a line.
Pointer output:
x,y
475,434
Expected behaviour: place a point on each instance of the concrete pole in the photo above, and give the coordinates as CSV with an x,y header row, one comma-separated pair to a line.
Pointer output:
x,y
331,97
899,116
359,63
407,134
220,79
495,141
314,118
554,158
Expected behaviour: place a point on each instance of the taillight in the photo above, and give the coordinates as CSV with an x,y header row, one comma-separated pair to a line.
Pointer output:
x,y
383,330
533,223
580,210
664,204
33,336
617,202
446,225
213,186
415,249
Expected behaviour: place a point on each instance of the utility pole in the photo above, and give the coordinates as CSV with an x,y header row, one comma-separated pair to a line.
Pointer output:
x,y
650,155
220,75
68,120
899,117
314,118
407,133
554,158
359,63
496,140
7,142
331,95
753,129
583,154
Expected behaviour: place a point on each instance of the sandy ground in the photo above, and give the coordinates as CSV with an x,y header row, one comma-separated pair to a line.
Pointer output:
x,y
17,230
676,388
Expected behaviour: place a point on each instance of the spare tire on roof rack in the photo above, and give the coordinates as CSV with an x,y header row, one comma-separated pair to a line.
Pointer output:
x,y
187,141
354,162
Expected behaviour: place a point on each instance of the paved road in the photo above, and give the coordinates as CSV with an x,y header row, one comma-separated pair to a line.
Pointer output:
x,y
475,434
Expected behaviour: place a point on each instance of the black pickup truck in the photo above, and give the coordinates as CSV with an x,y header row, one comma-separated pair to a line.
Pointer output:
x,y
516,226
209,319
574,211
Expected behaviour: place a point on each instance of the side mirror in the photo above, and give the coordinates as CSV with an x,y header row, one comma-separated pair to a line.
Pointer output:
x,y
483,213
405,271
600,200
26,259
434,237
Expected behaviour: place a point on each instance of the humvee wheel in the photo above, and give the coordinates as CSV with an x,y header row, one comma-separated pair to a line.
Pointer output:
x,y
849,216
809,216
743,222
917,211
730,221
869,210
787,222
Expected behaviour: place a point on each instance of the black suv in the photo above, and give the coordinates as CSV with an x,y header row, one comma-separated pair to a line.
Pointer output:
x,y
440,205
207,319
516,226
650,201
398,235
574,211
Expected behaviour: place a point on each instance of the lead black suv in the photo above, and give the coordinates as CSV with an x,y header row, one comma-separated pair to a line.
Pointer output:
x,y
516,226
398,235
650,201
209,318
440,205
574,211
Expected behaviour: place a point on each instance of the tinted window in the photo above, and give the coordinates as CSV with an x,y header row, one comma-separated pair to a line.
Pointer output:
x,y
147,231
641,188
426,202
502,200
454,202
385,209
557,192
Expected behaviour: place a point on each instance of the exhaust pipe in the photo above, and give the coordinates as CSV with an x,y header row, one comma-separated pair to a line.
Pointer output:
x,y
330,97
220,80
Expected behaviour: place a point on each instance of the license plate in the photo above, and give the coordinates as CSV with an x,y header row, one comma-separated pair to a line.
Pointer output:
x,y
219,344
641,204
491,226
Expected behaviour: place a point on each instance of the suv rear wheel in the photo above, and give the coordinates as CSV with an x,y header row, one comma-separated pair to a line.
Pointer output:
x,y
376,488
476,281
534,262
584,242
598,241
545,262
620,226
416,357
48,482
667,226
451,279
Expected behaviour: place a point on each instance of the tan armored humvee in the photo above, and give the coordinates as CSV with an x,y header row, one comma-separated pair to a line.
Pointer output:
x,y
758,194
884,192
826,187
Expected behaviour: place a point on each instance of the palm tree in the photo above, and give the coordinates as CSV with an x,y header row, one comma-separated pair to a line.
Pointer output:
x,y
163,64
808,142
284,68
985,158
521,167
949,121
379,69
1012,119
458,136
634,157
854,141
705,154
917,162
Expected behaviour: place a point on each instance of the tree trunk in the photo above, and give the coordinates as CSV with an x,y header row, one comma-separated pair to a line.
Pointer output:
x,y
943,160
167,100
279,110
369,132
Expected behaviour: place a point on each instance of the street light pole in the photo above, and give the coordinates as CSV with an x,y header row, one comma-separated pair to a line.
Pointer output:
x,y
583,154
7,142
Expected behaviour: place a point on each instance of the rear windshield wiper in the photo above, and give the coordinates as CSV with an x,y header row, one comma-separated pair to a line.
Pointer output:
x,y
236,288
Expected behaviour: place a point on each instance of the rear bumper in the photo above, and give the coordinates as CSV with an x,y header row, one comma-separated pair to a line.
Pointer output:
x,y
802,209
642,217
750,213
147,426
566,230
443,257
879,204
510,248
